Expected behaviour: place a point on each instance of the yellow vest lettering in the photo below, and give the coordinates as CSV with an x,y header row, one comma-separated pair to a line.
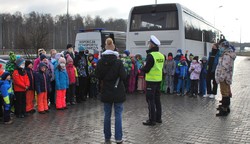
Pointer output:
x,y
155,74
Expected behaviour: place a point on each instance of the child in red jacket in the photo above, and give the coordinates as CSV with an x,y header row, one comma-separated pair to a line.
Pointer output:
x,y
21,85
71,70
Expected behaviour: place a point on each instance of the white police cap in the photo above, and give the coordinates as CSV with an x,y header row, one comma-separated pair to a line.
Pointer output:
x,y
154,40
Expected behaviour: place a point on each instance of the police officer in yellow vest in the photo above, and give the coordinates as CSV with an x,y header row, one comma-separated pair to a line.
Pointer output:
x,y
153,69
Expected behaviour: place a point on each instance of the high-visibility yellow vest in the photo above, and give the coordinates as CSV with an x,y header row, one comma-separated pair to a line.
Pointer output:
x,y
155,73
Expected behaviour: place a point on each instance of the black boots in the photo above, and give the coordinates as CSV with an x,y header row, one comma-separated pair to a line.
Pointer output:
x,y
224,109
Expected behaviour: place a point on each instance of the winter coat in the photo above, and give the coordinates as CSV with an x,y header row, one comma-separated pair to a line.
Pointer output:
x,y
108,70
6,92
42,82
127,64
20,80
182,70
36,64
31,76
92,75
62,79
224,69
213,61
50,71
169,67
71,73
10,67
81,65
195,73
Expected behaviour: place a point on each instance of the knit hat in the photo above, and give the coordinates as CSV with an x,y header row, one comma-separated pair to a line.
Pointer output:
x,y
180,51
20,61
204,58
42,56
12,56
69,59
42,64
170,54
183,58
81,48
127,52
191,54
109,44
28,62
62,60
69,46
5,75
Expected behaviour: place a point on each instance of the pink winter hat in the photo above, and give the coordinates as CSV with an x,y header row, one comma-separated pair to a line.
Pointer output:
x,y
69,59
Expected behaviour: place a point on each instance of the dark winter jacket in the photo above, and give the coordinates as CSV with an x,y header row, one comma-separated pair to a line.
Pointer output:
x,y
213,60
108,70
31,76
42,80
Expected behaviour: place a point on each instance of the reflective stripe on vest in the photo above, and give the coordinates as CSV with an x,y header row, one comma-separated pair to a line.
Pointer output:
x,y
155,73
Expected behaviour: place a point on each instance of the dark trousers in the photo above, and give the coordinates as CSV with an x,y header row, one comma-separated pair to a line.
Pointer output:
x,y
194,87
52,93
93,90
1,106
82,89
210,89
70,93
20,103
153,100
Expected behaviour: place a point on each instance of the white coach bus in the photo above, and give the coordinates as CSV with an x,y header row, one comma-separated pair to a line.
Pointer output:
x,y
174,25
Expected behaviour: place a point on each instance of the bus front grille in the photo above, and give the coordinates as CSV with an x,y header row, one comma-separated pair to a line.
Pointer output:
x,y
166,42
140,43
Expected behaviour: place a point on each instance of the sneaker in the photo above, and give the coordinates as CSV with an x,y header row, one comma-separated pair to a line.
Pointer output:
x,y
107,142
8,122
206,95
212,96
119,141
178,94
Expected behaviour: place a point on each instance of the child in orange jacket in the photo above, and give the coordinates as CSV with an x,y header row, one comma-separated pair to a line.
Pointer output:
x,y
21,85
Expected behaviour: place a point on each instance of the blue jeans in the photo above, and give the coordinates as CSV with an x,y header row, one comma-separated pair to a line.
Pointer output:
x,y
118,120
203,86
181,86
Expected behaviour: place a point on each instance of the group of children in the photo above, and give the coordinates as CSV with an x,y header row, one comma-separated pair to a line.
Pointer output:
x,y
48,81
184,75
68,77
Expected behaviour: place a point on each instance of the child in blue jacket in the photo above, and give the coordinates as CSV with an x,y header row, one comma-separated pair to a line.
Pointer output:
x,y
6,93
62,83
182,71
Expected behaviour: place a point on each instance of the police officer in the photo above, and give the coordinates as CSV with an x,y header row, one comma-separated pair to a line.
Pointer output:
x,y
153,70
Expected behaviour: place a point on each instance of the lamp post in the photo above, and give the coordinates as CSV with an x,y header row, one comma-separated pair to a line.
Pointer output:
x,y
215,12
240,33
67,21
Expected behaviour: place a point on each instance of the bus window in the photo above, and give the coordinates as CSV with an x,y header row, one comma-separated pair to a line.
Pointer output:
x,y
155,21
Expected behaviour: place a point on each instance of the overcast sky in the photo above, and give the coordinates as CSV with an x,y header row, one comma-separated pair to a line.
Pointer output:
x,y
222,13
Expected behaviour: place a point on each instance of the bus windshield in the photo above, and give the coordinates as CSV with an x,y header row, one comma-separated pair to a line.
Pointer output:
x,y
144,19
